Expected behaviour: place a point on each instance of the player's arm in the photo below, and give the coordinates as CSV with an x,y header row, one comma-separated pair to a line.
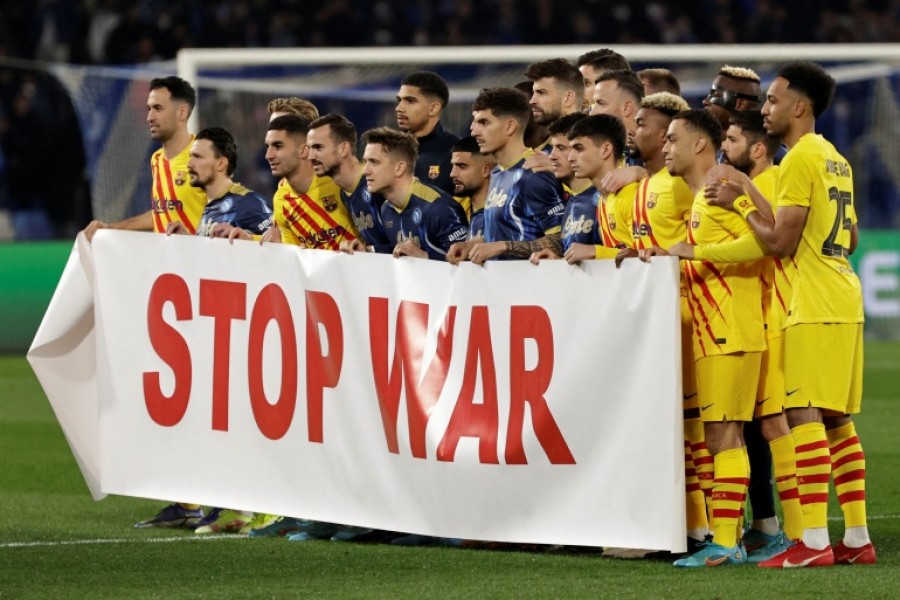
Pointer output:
x,y
854,238
744,249
780,237
141,222
519,249
620,177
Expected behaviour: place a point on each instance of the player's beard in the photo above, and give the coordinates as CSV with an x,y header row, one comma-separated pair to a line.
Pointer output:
x,y
742,163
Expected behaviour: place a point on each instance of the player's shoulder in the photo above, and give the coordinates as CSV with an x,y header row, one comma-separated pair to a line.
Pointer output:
x,y
241,191
627,191
322,186
429,193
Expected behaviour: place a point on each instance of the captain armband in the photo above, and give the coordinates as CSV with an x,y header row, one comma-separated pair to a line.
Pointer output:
x,y
744,206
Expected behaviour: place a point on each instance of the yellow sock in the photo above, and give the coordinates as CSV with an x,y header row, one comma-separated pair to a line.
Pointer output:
x,y
784,459
695,500
849,471
703,465
729,493
813,472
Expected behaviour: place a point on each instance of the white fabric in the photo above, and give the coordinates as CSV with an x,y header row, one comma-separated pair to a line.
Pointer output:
x,y
606,339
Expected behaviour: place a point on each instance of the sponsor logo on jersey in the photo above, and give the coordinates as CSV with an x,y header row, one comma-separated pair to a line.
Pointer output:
x,y
330,203
496,198
459,234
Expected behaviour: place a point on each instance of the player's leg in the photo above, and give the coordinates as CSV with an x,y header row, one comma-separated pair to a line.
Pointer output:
x,y
814,381
848,465
723,415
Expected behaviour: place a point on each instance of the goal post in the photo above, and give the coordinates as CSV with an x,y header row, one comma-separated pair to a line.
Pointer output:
x,y
234,86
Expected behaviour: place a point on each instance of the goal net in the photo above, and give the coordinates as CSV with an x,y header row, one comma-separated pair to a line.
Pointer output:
x,y
235,85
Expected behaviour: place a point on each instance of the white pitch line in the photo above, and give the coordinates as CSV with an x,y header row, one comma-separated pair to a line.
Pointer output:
x,y
157,540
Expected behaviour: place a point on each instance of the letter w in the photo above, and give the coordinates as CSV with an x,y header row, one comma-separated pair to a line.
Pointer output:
x,y
406,367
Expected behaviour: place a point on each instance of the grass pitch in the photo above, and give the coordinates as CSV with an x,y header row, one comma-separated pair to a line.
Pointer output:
x,y
56,542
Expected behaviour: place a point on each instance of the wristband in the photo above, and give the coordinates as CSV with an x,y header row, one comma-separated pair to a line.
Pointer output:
x,y
744,206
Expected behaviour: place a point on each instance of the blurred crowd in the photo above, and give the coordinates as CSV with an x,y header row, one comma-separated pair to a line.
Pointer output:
x,y
132,31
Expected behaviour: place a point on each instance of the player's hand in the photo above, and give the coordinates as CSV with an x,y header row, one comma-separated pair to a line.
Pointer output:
x,y
237,233
351,246
645,254
272,235
723,193
485,251
578,252
409,248
543,254
625,253
458,252
220,230
615,181
682,250
176,227
723,177
539,162
93,227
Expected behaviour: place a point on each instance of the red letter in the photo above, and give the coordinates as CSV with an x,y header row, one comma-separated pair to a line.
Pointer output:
x,y
224,301
321,371
171,348
532,322
412,325
273,420
469,419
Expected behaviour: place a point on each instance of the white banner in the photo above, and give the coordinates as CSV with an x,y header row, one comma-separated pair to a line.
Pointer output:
x,y
508,402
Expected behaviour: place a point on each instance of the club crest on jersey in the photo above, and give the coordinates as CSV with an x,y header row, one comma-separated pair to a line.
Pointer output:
x,y
651,200
330,203
180,177
612,222
695,220
417,215
434,171
226,204
517,175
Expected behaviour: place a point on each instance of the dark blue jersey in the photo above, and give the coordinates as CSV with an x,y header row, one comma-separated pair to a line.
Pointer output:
x,y
476,224
431,218
580,219
239,207
433,165
365,208
522,205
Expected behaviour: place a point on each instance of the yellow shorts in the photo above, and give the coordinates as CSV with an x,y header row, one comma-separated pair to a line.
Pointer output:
x,y
726,386
688,368
824,366
770,393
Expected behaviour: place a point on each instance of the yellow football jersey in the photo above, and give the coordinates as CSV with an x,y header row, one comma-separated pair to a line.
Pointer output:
x,y
316,219
826,289
173,198
776,272
725,298
614,215
661,209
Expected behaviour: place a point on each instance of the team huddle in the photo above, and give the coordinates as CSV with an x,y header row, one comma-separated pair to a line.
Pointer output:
x,y
593,161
